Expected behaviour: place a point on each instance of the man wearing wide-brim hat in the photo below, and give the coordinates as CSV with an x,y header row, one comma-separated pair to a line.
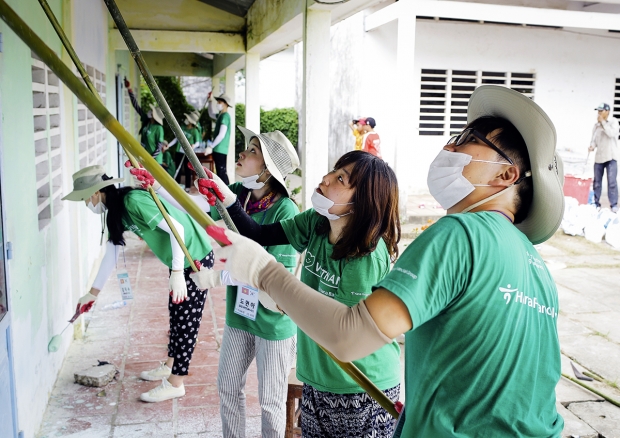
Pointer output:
x,y
475,300
218,110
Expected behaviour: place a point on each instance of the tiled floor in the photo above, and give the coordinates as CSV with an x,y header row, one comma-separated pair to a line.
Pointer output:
x,y
134,338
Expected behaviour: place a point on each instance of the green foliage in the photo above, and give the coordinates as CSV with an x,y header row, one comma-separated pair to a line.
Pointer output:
x,y
170,87
281,119
146,97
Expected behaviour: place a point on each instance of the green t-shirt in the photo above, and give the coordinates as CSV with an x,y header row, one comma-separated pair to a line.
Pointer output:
x,y
193,135
142,216
483,358
268,325
348,282
151,135
222,119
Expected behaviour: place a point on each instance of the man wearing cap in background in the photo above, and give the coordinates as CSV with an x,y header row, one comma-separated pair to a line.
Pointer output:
x,y
475,300
218,110
605,141
371,142
357,128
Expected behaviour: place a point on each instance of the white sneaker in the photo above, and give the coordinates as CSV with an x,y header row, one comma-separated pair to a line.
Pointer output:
x,y
165,391
161,372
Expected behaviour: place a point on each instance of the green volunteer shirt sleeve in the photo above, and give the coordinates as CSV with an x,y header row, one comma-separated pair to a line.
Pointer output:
x,y
298,228
432,271
360,273
139,203
159,134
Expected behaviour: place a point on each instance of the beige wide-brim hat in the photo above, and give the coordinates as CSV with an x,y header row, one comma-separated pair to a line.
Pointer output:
x,y
87,181
191,118
225,99
539,134
158,114
278,152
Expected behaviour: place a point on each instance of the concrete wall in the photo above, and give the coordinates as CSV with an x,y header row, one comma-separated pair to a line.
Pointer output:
x,y
574,72
52,266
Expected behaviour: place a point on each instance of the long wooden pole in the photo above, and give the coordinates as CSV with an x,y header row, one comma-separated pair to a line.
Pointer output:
x,y
95,106
159,97
78,64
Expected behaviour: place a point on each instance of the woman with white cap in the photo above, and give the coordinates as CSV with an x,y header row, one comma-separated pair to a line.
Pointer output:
x,y
474,298
129,209
253,329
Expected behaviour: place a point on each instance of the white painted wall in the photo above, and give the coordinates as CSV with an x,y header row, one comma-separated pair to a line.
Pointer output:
x,y
277,75
90,24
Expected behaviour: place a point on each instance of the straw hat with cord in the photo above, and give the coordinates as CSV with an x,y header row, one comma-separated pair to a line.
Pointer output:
x,y
190,118
278,152
538,132
87,181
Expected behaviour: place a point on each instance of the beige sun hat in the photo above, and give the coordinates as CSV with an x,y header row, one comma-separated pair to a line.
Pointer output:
x,y
191,118
158,114
278,152
87,181
225,98
539,134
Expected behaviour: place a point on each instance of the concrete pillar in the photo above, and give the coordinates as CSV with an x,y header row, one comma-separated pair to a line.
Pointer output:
x,y
252,91
406,92
230,91
215,83
314,118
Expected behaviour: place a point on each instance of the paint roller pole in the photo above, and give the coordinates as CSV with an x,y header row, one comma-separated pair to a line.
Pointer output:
x,y
95,106
78,64
172,122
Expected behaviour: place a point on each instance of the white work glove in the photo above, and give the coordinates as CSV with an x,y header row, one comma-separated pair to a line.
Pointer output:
x,y
209,143
86,302
208,150
178,287
206,278
244,258
222,191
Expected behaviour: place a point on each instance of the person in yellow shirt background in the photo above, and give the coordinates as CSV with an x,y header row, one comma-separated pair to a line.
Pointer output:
x,y
357,128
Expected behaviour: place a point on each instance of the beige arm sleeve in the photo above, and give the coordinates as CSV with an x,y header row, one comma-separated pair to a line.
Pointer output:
x,y
349,333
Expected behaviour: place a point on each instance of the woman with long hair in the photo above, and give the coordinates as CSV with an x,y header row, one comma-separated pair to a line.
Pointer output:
x,y
349,237
130,209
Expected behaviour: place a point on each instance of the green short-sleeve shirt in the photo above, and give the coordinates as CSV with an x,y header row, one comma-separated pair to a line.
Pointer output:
x,y
483,358
222,119
348,282
193,135
268,325
142,216
152,135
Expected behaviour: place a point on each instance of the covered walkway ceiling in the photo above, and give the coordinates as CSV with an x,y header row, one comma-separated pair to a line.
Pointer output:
x,y
204,37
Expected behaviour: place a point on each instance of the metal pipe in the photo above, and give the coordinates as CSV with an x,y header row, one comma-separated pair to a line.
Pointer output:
x,y
78,64
172,122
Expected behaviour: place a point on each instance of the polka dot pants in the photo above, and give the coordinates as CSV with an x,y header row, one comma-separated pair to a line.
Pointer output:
x,y
185,321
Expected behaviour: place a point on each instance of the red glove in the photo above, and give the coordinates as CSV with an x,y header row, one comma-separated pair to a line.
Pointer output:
x,y
203,187
127,84
142,175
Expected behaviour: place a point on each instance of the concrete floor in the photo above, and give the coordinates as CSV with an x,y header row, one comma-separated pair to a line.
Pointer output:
x,y
134,338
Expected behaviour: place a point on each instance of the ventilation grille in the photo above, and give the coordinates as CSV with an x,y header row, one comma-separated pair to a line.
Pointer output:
x,y
48,145
92,135
444,95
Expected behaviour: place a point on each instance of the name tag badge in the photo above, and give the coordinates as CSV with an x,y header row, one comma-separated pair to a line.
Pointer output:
x,y
125,285
246,303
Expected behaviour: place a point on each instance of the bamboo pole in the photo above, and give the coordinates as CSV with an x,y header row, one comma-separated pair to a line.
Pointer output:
x,y
172,122
130,144
95,106
78,64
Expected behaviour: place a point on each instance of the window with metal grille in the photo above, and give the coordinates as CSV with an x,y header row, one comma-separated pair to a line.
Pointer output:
x,y
47,141
615,108
92,135
444,95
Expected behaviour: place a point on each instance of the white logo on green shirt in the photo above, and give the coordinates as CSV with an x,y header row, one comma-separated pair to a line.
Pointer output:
x,y
315,268
521,298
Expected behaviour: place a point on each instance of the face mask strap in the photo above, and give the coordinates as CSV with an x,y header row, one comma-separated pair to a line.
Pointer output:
x,y
485,200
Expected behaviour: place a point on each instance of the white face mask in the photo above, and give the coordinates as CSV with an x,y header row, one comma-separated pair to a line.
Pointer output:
x,y
149,114
97,209
446,181
251,182
321,205
220,107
